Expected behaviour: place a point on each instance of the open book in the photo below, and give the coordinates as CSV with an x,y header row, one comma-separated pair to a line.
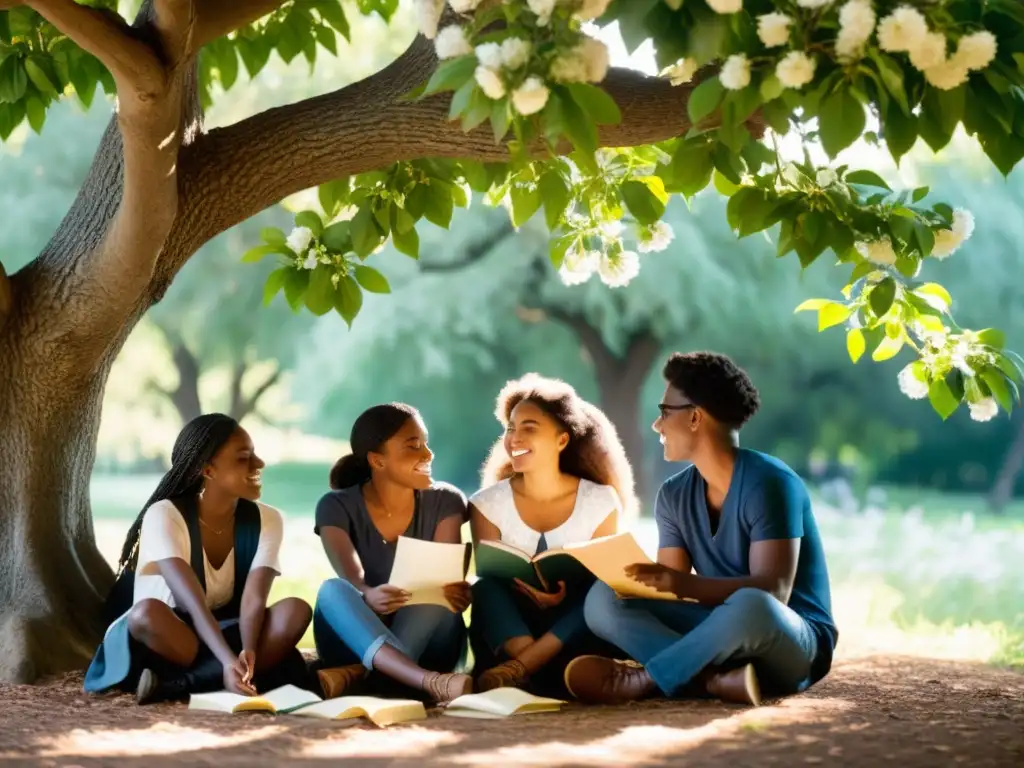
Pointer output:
x,y
500,702
424,567
291,700
605,558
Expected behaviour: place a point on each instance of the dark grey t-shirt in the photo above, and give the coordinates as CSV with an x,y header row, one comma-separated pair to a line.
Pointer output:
x,y
347,510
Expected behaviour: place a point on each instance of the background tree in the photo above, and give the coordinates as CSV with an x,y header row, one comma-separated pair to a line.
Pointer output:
x,y
161,186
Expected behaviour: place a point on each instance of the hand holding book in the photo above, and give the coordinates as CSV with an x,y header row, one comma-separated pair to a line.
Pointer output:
x,y
656,575
543,600
385,599
459,595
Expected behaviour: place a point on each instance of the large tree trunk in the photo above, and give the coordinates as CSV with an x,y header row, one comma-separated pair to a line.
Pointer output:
x,y
1006,480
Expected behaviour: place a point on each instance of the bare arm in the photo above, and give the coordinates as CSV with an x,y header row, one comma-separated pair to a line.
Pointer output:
x,y
342,555
772,568
254,605
482,528
449,530
676,558
188,595
609,526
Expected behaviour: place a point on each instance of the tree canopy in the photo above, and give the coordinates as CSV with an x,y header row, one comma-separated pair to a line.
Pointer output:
x,y
514,101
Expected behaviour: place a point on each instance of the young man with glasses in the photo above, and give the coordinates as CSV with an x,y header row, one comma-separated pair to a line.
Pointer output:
x,y
756,612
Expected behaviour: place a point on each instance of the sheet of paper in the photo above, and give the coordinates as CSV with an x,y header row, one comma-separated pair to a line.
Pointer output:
x,y
424,567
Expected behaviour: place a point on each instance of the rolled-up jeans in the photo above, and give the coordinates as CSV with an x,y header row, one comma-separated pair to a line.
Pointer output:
x,y
347,631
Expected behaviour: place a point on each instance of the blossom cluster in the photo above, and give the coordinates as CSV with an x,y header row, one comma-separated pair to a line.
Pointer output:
x,y
947,241
941,353
612,262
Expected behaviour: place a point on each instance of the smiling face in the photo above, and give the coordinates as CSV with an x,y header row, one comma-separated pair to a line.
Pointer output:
x,y
533,439
678,423
404,458
235,470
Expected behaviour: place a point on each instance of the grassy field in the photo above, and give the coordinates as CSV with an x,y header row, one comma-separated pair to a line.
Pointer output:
x,y
920,573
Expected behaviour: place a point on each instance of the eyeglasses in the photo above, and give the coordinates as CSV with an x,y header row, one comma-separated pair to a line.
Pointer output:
x,y
666,410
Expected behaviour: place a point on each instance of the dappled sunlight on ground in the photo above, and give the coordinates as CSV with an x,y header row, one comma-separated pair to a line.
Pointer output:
x,y
413,741
158,739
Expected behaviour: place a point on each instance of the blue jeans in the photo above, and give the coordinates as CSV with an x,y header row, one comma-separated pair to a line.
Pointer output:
x,y
500,613
675,641
347,631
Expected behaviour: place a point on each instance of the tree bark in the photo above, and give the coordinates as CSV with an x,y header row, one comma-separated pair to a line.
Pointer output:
x,y
185,397
1006,480
243,405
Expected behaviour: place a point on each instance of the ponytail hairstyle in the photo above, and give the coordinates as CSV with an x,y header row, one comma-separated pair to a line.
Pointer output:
x,y
594,452
195,447
374,427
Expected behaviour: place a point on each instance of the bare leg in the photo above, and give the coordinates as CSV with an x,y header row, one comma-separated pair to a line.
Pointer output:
x,y
154,624
517,645
284,625
536,655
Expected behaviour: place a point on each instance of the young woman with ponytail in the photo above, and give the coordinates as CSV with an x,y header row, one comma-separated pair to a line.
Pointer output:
x,y
189,608
381,491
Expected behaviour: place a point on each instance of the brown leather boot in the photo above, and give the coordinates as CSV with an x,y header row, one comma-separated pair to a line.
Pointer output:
x,y
444,687
600,680
337,681
738,686
508,674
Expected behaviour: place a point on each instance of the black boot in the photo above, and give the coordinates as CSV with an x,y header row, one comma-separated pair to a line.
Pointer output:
x,y
291,670
205,674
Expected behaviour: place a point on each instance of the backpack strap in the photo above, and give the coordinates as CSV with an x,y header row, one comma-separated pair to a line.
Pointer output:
x,y
248,526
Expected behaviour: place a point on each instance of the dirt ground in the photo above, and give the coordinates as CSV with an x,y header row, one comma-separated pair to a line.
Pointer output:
x,y
867,712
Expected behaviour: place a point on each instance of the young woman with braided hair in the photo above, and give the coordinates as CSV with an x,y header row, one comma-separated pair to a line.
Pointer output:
x,y
189,607
558,476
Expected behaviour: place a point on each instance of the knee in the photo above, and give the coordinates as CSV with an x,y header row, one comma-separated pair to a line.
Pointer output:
x,y
602,610
144,617
755,608
335,592
296,612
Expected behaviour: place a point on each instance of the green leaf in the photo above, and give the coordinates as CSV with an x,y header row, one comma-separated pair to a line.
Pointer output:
x,y
451,75
812,305
320,294
690,169
942,398
941,111
841,121
888,348
372,280
882,296
867,178
833,313
526,201
997,385
925,238
705,99
855,344
35,68
348,299
274,284
554,192
407,242
311,220
338,237
722,184
365,235
501,118
899,131
919,194
892,77
642,203
332,12
296,281
1013,368
439,207
13,80
559,246
35,110
935,295
258,253
992,337
331,196
579,126
273,236
596,102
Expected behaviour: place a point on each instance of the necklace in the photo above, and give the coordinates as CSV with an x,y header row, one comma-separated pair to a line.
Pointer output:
x,y
218,533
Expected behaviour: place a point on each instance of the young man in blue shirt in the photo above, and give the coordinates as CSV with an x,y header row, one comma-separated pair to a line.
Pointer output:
x,y
756,611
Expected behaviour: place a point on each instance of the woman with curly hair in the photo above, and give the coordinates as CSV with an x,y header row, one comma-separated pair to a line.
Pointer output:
x,y
557,476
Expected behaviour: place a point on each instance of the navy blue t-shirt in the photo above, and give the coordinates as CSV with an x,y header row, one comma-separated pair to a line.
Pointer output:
x,y
766,500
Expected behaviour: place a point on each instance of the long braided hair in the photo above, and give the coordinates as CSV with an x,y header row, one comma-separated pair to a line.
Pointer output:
x,y
196,445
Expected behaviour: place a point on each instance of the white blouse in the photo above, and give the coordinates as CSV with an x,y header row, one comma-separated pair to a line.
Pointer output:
x,y
164,535
593,505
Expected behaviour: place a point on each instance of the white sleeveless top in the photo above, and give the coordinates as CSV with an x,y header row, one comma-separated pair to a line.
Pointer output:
x,y
593,505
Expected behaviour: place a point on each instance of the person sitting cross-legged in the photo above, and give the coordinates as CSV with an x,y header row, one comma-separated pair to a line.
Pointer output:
x,y
756,616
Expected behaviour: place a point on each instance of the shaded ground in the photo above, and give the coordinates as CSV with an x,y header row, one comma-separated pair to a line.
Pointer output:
x,y
869,711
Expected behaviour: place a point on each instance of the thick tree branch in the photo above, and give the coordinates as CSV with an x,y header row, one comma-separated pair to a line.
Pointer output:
x,y
134,65
475,252
6,295
233,173
217,18
244,406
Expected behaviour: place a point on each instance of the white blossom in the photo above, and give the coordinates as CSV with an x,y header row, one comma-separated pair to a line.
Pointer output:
x,y
911,385
959,354
515,52
530,97
578,265
310,260
735,74
976,51
489,55
611,229
947,241
428,15
856,23
902,30
930,52
569,67
826,177
451,42
586,62
592,9
464,6
681,72
946,76
984,410
813,4
795,70
878,251
542,9
655,238
773,29
490,82
619,270
726,6
595,54
299,239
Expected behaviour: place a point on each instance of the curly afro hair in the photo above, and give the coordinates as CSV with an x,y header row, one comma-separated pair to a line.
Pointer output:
x,y
594,451
716,384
